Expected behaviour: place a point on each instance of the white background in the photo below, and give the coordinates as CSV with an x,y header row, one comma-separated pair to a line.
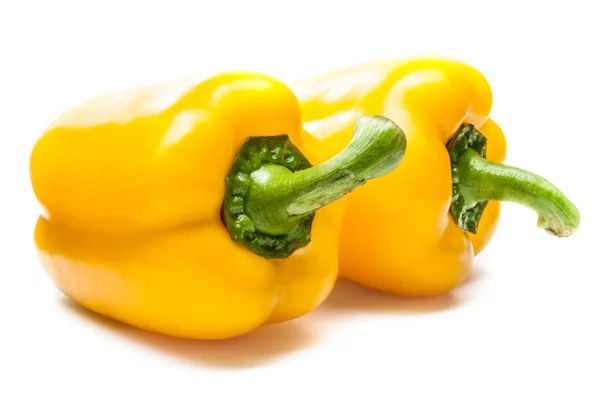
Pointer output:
x,y
524,326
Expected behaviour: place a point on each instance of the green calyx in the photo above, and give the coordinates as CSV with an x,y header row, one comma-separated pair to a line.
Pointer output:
x,y
465,210
476,180
272,191
255,153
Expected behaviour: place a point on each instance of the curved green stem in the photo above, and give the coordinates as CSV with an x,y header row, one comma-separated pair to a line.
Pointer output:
x,y
269,208
477,180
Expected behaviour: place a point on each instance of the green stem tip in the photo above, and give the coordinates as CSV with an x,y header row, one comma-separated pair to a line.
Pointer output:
x,y
272,191
476,180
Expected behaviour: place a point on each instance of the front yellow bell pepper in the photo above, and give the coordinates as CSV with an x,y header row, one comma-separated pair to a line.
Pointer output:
x,y
416,231
188,208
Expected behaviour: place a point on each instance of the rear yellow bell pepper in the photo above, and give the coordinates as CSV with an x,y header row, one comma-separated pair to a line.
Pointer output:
x,y
416,231
190,208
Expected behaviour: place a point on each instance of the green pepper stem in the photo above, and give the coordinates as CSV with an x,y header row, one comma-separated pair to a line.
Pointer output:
x,y
482,180
278,199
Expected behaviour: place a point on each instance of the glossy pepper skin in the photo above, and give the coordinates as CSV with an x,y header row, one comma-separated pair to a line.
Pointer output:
x,y
136,234
132,186
398,235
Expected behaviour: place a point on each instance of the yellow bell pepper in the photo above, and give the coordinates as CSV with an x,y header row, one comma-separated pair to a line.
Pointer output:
x,y
188,208
416,230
